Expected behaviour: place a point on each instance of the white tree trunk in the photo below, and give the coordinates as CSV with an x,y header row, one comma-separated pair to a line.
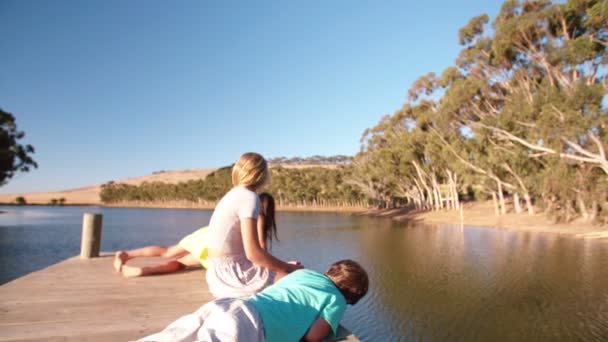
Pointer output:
x,y
495,200
594,211
501,197
516,203
582,207
529,204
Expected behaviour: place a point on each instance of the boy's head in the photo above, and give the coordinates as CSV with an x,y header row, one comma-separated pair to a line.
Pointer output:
x,y
250,170
350,278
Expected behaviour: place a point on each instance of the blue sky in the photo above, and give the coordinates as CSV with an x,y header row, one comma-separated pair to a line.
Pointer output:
x,y
106,90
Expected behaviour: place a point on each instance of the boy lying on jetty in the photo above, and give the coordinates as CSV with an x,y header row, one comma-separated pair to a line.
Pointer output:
x,y
303,305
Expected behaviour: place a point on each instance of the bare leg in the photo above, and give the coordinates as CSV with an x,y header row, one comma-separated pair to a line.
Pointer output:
x,y
189,260
169,267
121,257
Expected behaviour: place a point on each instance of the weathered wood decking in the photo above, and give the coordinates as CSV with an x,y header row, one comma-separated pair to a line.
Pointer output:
x,y
86,300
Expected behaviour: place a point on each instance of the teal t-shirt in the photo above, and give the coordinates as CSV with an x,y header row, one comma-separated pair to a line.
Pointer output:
x,y
289,307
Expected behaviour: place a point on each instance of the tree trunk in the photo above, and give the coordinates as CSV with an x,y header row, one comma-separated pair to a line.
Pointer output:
x,y
568,209
582,207
529,203
516,204
429,199
455,192
436,192
501,197
495,200
594,211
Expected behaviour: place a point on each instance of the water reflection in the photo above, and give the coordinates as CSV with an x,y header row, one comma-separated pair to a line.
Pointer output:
x,y
428,283
479,284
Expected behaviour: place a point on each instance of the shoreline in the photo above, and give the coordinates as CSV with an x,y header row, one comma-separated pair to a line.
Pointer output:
x,y
476,214
481,215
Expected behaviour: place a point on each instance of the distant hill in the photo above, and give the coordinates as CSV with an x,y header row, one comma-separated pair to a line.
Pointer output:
x,y
90,194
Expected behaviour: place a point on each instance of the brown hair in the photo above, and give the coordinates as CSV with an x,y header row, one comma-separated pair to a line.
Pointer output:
x,y
251,170
350,278
270,225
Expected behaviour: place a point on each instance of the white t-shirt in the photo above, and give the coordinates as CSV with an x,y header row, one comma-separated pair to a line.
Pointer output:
x,y
225,224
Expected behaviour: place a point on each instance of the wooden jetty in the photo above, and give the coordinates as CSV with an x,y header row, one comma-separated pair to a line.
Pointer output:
x,y
85,299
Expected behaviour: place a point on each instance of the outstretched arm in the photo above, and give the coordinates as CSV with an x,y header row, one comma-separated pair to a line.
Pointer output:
x,y
259,256
317,331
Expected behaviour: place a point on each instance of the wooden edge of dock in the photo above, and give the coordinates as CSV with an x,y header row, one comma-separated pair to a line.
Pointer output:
x,y
86,299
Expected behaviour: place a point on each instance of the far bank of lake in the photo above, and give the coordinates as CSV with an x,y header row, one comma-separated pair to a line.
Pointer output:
x,y
478,214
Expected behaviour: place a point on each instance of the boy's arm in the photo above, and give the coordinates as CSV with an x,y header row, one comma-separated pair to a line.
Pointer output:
x,y
317,331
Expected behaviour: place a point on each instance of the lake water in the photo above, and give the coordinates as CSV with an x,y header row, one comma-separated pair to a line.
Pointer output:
x,y
427,283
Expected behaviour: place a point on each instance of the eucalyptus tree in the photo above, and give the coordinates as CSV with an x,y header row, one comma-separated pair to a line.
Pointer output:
x,y
532,89
376,169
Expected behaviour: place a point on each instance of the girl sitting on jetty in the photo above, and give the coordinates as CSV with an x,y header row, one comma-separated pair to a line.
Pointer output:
x,y
238,265
191,251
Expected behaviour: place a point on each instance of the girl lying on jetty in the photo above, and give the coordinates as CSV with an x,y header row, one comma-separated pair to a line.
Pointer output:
x,y
191,251
302,306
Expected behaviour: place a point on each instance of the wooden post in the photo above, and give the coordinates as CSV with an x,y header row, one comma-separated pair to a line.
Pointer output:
x,y
91,236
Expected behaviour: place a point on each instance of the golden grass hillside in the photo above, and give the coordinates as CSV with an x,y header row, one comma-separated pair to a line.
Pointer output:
x,y
90,194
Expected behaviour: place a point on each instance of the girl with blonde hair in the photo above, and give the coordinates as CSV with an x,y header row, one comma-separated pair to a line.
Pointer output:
x,y
238,266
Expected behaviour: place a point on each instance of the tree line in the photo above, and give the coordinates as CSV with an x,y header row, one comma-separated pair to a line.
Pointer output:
x,y
520,115
307,187
312,160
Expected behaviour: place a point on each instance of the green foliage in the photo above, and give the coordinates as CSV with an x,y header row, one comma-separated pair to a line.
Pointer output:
x,y
14,157
520,113
313,186
320,186
20,200
474,28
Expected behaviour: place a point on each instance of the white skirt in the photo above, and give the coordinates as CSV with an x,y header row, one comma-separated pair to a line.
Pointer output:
x,y
236,276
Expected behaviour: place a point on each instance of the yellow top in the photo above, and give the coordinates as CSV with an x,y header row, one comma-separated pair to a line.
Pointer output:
x,y
196,244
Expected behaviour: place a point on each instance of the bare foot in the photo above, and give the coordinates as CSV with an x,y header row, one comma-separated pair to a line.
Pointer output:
x,y
120,258
130,271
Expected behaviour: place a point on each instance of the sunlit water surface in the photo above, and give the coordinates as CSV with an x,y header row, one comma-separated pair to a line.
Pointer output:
x,y
427,283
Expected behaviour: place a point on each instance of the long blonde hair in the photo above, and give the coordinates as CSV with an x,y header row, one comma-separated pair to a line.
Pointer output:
x,y
251,170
